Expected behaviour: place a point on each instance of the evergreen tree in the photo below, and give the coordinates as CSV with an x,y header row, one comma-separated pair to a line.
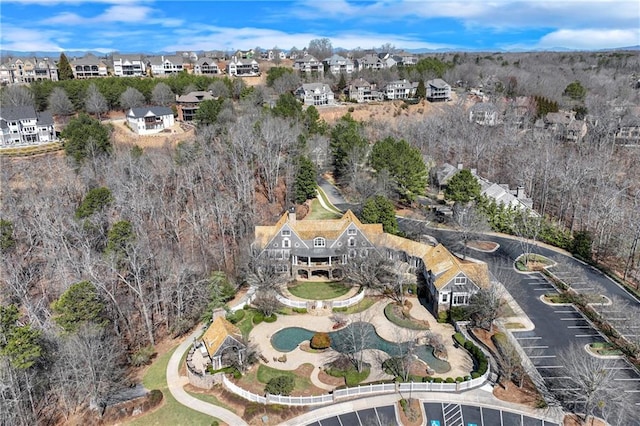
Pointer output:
x,y
379,209
287,106
85,135
208,111
421,90
404,164
346,136
96,199
342,83
64,68
78,305
305,183
462,187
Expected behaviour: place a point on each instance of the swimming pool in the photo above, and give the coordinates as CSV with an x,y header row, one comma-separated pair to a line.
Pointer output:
x,y
342,341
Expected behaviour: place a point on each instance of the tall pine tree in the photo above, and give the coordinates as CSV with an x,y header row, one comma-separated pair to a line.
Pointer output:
x,y
421,90
64,68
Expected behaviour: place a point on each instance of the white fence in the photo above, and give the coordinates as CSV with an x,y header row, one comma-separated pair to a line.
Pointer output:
x,y
356,391
291,303
349,302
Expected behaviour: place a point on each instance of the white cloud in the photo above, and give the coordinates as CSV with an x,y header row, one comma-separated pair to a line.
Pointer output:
x,y
590,39
226,38
122,13
29,40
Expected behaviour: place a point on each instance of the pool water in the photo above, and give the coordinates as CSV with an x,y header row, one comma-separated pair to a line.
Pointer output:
x,y
343,340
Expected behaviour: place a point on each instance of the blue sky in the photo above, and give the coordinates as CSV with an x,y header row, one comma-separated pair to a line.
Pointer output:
x,y
153,26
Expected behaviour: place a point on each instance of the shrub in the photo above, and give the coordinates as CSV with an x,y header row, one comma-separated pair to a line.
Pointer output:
x,y
442,317
320,340
271,318
475,374
142,356
351,109
460,339
236,317
459,379
155,396
281,385
449,380
437,380
300,310
258,317
458,313
403,404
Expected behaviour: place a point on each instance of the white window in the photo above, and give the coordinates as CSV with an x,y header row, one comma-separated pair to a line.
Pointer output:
x,y
351,231
318,242
352,242
352,253
445,297
460,299
286,232
461,280
286,243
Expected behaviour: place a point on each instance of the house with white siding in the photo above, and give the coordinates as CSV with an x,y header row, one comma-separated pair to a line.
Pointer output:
x,y
150,120
23,126
315,94
128,65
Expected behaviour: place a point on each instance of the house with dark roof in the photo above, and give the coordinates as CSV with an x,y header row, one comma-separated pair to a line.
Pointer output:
x,y
370,62
562,126
23,126
88,66
438,90
187,105
206,66
308,64
400,89
315,94
339,65
150,120
306,249
361,91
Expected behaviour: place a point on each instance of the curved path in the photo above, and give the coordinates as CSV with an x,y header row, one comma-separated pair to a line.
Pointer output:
x,y
176,384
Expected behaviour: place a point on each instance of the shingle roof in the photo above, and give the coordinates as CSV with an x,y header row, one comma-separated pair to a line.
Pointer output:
x,y
217,332
197,96
484,107
88,59
150,110
438,83
45,118
18,113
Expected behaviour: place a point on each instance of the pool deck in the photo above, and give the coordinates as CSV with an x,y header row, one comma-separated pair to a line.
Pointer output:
x,y
461,363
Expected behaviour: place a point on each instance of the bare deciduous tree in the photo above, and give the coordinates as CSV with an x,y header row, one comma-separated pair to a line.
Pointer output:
x,y
162,95
131,98
16,96
59,102
95,102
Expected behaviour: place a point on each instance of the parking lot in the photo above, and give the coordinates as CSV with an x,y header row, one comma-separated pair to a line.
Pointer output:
x,y
377,416
557,326
437,414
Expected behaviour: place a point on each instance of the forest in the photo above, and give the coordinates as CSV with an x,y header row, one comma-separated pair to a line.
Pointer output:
x,y
110,248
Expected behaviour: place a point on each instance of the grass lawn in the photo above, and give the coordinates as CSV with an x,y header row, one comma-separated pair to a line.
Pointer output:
x,y
267,373
361,306
171,412
321,194
211,399
246,324
318,290
401,321
319,213
351,377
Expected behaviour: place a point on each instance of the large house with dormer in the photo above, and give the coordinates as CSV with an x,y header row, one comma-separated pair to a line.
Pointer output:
x,y
307,249
315,94
308,64
438,90
150,120
400,89
206,66
88,66
337,65
243,68
128,65
27,70
360,90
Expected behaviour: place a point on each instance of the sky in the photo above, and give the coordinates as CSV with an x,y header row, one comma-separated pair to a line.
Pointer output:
x,y
146,26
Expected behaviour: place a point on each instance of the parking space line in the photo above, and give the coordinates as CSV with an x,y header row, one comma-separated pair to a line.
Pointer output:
x,y
542,289
528,338
535,347
564,312
627,380
548,366
557,377
587,335
578,326
573,319
541,356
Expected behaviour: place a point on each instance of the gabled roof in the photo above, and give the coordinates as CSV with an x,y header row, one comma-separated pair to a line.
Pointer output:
x,y
88,59
438,83
205,60
315,87
484,107
18,113
197,96
217,332
338,60
361,82
150,111
306,59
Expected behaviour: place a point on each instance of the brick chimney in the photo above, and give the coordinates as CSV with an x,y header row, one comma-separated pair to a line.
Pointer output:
x,y
292,215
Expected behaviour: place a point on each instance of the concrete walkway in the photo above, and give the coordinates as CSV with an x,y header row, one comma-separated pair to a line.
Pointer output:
x,y
176,384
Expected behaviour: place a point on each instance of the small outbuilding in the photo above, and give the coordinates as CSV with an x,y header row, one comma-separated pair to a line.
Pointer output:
x,y
223,342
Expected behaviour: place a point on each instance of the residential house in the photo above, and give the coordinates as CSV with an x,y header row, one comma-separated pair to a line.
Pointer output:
x,y
339,65
23,126
561,125
165,65
150,120
321,248
308,64
273,54
223,342
243,68
484,113
128,65
89,66
27,70
438,90
370,62
388,59
361,91
405,59
206,66
245,54
400,89
315,94
187,105
628,132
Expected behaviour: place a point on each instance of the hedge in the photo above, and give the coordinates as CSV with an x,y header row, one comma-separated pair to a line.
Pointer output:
x,y
236,317
271,318
459,338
